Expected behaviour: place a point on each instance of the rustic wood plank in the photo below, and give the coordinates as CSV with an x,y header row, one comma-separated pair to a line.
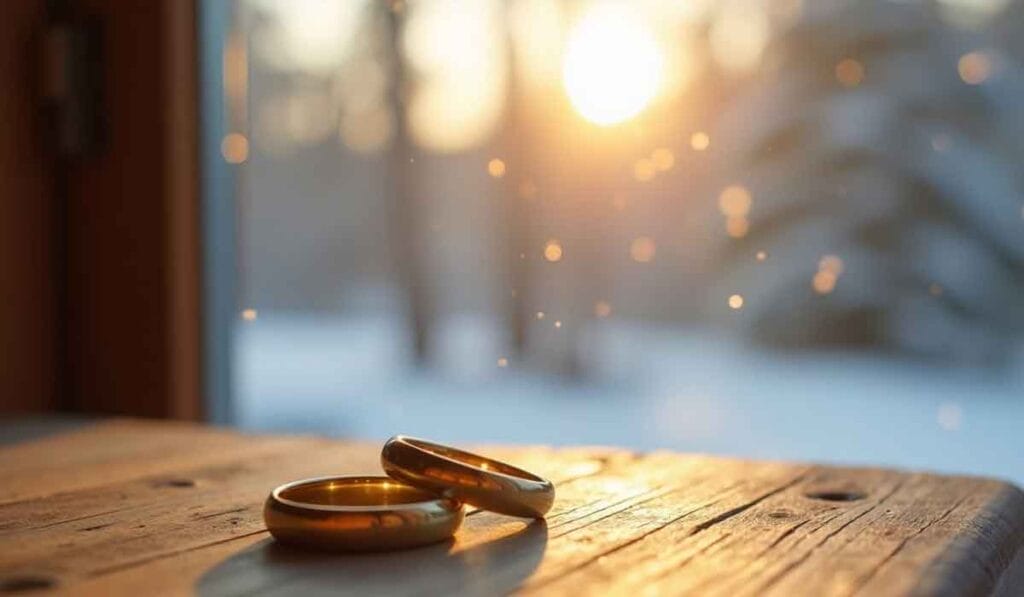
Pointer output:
x,y
622,523
93,531
962,548
1012,579
146,517
235,575
879,544
117,450
492,554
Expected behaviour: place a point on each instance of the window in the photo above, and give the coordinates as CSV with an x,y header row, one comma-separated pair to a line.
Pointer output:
x,y
740,226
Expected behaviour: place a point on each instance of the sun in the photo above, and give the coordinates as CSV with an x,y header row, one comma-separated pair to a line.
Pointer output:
x,y
612,67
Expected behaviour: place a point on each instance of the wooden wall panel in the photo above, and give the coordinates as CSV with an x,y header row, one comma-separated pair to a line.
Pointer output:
x,y
28,322
180,85
133,262
101,314
115,234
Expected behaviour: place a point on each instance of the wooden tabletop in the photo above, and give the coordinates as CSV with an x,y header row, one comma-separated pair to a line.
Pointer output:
x,y
145,508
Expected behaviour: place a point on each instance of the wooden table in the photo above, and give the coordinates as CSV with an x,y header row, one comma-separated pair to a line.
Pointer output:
x,y
145,508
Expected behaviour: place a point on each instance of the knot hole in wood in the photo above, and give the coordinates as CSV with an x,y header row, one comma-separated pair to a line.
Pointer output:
x,y
18,584
175,483
836,495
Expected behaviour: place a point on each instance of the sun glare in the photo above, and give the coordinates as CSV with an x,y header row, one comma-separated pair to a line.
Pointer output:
x,y
612,67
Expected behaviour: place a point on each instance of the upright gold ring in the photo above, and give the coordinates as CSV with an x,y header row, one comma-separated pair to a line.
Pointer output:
x,y
467,477
359,514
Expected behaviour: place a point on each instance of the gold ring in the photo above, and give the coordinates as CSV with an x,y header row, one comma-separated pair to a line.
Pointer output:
x,y
476,480
359,514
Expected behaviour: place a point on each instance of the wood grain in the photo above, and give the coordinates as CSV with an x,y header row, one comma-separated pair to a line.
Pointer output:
x,y
181,514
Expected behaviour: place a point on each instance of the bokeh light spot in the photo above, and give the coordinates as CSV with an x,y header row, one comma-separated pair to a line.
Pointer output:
x,y
663,159
824,282
734,201
642,249
496,168
736,301
737,226
235,148
739,34
850,72
975,67
553,251
458,63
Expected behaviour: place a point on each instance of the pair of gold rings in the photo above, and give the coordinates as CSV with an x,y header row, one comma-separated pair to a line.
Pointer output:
x,y
419,502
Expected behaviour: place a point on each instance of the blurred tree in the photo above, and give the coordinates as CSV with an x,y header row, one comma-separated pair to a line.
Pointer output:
x,y
880,150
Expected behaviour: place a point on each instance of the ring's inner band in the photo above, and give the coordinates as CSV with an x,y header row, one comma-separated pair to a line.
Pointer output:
x,y
355,492
473,460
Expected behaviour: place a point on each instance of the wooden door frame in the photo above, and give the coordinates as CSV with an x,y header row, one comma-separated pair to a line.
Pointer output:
x,y
134,342
184,337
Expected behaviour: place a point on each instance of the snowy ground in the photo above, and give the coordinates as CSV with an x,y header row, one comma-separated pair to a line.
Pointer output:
x,y
642,389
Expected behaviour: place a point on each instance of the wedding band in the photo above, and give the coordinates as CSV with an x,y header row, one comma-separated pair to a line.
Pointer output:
x,y
476,480
359,514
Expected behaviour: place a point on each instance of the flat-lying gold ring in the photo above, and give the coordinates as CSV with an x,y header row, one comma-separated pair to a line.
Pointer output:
x,y
467,477
359,514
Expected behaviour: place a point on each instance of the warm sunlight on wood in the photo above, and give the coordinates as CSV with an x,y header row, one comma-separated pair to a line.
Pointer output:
x,y
613,66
